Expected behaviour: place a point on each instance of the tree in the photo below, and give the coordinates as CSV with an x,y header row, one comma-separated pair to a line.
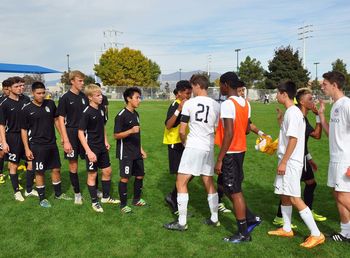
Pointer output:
x,y
286,64
89,80
127,67
339,66
29,79
251,71
65,78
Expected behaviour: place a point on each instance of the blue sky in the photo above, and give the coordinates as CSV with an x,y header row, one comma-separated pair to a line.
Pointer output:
x,y
175,34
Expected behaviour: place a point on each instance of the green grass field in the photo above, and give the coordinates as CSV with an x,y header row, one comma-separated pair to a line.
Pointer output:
x,y
66,230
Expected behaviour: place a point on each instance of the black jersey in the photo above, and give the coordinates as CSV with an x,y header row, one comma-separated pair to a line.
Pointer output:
x,y
92,122
2,98
129,147
71,106
104,105
171,110
39,121
10,114
24,98
308,130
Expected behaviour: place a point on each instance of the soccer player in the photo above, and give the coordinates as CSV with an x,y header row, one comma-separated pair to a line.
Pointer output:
x,y
38,121
172,137
201,113
4,95
69,110
105,103
22,84
93,138
291,143
305,103
231,137
338,131
10,131
129,150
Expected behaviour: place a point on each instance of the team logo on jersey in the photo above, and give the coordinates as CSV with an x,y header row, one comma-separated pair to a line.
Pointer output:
x,y
336,112
102,113
83,101
47,109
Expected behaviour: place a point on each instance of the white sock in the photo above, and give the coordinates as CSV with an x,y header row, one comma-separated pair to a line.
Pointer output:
x,y
182,201
213,201
287,217
345,229
307,217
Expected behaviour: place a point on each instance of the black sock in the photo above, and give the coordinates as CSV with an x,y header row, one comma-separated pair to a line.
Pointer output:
x,y
138,183
174,195
96,181
41,192
106,188
279,211
74,181
309,194
123,194
14,181
242,227
250,216
29,180
57,188
220,188
93,193
1,165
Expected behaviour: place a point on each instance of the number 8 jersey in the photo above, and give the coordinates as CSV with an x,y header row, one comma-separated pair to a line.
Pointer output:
x,y
202,113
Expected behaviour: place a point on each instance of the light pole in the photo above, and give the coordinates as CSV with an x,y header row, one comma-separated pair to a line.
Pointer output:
x,y
237,50
68,68
180,73
316,63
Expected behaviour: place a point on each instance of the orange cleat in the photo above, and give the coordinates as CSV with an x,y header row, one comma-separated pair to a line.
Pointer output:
x,y
281,232
313,241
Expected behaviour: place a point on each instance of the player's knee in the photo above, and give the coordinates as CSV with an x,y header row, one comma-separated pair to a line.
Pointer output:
x,y
139,177
124,179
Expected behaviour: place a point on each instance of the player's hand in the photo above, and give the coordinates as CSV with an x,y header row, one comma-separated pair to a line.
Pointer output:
x,y
322,107
108,146
281,169
218,166
62,142
29,155
313,165
91,156
67,147
181,104
279,113
5,148
314,109
135,129
144,154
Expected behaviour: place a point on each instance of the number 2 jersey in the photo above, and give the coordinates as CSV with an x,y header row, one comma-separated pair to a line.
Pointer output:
x,y
202,113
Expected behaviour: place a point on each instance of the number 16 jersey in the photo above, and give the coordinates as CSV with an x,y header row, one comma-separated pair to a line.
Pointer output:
x,y
202,113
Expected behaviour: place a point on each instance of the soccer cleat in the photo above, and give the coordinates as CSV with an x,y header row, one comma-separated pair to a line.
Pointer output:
x,y
140,202
175,225
313,241
280,232
110,200
222,208
2,179
45,203
171,203
32,193
209,222
238,238
318,217
126,209
99,194
337,237
97,207
78,199
63,196
253,224
278,221
19,197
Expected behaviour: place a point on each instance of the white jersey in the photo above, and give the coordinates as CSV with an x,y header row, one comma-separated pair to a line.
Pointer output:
x,y
204,114
339,131
293,125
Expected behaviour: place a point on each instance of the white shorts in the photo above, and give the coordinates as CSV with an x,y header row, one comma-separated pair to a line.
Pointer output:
x,y
337,177
197,162
289,183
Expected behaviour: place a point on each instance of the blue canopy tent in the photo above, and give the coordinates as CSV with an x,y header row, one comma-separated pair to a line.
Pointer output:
x,y
20,68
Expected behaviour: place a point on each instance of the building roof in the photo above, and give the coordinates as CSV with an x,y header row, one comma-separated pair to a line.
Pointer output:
x,y
21,68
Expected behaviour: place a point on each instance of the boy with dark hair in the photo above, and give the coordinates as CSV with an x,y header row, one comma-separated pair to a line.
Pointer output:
x,y
69,110
11,139
338,131
201,114
291,143
93,138
105,103
129,149
172,137
231,137
38,121
21,81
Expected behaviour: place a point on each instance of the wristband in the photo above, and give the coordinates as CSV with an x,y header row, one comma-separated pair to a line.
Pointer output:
x,y
318,119
308,156
260,133
177,112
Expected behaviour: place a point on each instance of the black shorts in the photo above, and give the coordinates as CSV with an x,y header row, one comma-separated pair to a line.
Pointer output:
x,y
45,157
232,172
174,156
15,144
130,168
102,161
308,173
78,149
